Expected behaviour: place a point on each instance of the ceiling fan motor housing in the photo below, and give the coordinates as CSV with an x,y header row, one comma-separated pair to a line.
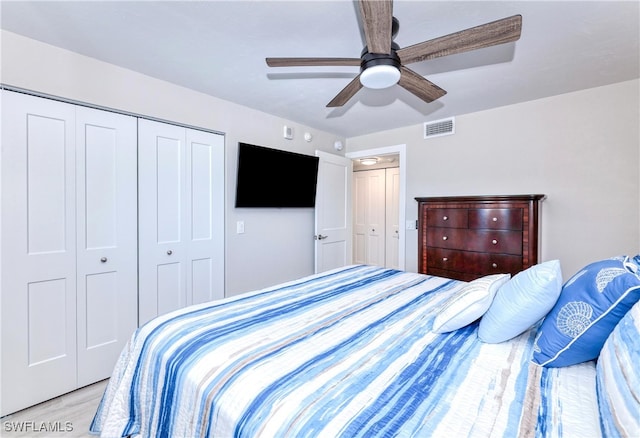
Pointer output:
x,y
371,59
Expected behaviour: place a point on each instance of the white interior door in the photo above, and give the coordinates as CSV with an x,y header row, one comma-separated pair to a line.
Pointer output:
x,y
181,214
38,250
333,212
205,184
400,150
162,212
107,239
392,218
369,217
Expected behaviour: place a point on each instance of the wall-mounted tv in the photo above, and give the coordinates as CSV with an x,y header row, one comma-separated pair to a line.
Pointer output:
x,y
275,178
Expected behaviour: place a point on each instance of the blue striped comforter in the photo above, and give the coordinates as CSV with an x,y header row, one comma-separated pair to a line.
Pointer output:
x,y
346,353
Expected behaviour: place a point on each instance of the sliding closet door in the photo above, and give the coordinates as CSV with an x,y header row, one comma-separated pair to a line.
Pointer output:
x,y
107,243
181,214
38,250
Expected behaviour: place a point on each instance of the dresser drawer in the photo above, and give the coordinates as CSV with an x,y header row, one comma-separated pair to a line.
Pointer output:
x,y
494,241
447,237
447,217
496,218
442,258
491,241
472,262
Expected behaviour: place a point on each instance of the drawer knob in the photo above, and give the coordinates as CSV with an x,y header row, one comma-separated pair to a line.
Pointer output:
x,y
444,237
494,265
444,218
495,219
103,260
444,259
494,241
169,252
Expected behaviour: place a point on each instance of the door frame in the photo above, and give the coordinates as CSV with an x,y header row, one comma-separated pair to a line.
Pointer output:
x,y
401,150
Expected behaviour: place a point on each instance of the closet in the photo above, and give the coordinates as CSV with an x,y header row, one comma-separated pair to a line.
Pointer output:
x,y
69,246
375,216
107,221
181,214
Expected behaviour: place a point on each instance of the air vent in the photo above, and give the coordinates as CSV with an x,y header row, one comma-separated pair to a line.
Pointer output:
x,y
439,128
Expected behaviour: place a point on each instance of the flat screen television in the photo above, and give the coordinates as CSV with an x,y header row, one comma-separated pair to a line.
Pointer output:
x,y
274,178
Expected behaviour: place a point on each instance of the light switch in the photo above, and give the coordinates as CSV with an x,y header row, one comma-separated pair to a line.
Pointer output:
x,y
240,227
411,225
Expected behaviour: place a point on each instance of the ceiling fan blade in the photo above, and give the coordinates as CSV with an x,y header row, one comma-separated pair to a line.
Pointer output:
x,y
312,62
347,93
377,16
486,35
418,85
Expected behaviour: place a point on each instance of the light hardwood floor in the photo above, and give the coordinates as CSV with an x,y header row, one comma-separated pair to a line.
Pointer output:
x,y
66,416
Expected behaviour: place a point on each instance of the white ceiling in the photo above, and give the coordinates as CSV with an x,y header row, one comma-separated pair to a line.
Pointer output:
x,y
218,48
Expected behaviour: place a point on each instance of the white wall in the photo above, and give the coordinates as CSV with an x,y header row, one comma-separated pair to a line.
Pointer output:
x,y
580,149
278,243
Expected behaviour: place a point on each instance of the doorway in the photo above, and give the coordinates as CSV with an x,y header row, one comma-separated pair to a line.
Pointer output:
x,y
384,234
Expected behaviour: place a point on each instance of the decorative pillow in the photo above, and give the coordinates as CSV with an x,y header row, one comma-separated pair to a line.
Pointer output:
x,y
521,302
618,377
590,305
469,303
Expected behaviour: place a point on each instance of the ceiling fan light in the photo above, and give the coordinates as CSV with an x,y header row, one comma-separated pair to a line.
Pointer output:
x,y
380,76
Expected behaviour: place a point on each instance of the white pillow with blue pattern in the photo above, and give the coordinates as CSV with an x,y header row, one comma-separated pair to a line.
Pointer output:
x,y
618,378
469,303
590,305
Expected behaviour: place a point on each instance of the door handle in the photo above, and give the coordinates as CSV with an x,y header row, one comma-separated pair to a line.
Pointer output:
x,y
320,237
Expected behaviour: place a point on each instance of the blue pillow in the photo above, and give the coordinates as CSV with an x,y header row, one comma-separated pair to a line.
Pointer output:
x,y
618,377
521,302
590,305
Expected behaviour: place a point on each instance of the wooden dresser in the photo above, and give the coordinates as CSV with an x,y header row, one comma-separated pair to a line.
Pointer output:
x,y
467,237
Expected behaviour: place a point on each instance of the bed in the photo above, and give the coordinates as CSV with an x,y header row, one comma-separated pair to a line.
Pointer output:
x,y
350,352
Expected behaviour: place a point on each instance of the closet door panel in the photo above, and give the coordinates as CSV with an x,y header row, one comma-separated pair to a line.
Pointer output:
x,y
47,322
101,318
47,198
171,293
376,218
369,217
170,185
205,155
203,287
360,187
38,250
392,218
162,212
107,239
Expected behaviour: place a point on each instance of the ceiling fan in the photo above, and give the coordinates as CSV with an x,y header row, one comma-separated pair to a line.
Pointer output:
x,y
382,62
